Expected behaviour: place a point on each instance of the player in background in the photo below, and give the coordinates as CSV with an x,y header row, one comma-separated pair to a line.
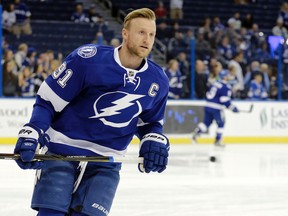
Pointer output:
x,y
217,98
93,104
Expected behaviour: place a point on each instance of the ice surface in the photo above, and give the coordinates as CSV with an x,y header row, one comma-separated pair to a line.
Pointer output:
x,y
247,180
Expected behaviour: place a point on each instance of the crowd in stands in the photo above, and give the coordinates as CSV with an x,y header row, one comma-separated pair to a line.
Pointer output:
x,y
236,44
24,68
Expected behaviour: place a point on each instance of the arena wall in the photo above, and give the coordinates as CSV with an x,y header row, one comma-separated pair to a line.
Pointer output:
x,y
267,123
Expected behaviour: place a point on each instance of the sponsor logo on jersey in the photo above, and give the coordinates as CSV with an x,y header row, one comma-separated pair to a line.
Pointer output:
x,y
87,51
117,109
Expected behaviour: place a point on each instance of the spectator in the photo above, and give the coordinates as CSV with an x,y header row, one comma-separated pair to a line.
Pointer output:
x,y
230,31
175,82
23,15
79,16
99,39
262,53
236,20
10,80
254,68
115,42
217,25
9,57
55,63
26,83
176,44
176,9
188,36
206,29
256,89
234,82
21,55
175,28
235,63
38,76
279,29
226,48
31,58
265,72
8,19
283,13
256,37
247,21
163,32
93,16
185,73
202,46
201,78
160,11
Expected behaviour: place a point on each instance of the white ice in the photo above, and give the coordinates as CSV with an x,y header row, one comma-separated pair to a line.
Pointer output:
x,y
247,180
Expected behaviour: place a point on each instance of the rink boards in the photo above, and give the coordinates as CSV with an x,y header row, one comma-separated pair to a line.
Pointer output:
x,y
267,123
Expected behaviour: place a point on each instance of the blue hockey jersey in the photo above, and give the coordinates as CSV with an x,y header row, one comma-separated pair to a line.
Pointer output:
x,y
93,105
257,91
219,96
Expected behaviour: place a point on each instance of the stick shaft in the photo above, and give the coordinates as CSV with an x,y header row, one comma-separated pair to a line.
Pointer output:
x,y
8,156
250,109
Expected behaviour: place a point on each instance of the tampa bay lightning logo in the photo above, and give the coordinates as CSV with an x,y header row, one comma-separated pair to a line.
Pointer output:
x,y
117,109
87,51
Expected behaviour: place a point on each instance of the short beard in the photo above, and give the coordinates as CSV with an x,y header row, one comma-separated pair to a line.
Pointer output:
x,y
134,52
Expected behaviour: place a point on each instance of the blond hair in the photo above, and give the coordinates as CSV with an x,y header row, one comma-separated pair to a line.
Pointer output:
x,y
139,13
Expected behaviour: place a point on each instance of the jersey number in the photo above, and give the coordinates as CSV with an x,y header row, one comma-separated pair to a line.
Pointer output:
x,y
211,94
63,81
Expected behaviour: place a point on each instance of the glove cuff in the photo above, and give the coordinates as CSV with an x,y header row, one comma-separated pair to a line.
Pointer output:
x,y
30,131
232,107
154,137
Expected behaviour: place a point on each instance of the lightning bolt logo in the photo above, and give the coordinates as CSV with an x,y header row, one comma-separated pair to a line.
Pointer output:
x,y
118,108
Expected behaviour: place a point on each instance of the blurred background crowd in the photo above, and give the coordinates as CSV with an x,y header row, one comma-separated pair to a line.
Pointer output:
x,y
195,40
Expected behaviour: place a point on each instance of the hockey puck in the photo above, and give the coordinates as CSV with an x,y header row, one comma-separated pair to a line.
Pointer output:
x,y
213,159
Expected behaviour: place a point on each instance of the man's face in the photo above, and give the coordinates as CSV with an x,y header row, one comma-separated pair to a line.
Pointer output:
x,y
140,36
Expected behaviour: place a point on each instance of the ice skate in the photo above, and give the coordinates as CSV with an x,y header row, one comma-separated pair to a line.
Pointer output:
x,y
218,143
194,137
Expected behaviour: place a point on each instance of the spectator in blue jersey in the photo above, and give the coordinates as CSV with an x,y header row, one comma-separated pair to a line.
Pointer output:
x,y
79,15
23,14
257,90
175,81
226,48
257,68
217,98
93,105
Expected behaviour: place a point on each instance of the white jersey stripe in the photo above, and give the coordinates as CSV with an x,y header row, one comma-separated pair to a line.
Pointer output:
x,y
46,93
61,139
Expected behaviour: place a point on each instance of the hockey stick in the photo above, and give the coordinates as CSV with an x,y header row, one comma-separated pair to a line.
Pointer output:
x,y
248,111
8,156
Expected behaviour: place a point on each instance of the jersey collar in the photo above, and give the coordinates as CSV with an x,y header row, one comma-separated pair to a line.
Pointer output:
x,y
117,59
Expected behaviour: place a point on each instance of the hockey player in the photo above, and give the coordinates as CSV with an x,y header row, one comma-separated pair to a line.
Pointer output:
x,y
217,98
92,105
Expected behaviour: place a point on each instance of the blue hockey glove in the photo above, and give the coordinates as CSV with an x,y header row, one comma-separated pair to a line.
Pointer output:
x,y
154,149
233,109
28,138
